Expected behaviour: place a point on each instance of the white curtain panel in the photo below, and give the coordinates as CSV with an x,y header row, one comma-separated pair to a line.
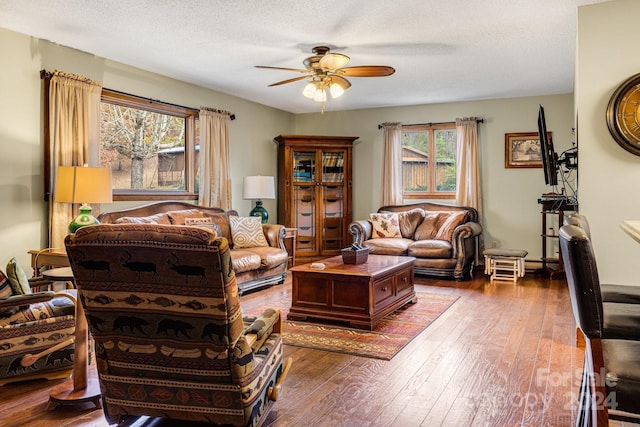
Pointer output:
x,y
392,190
215,174
74,126
468,189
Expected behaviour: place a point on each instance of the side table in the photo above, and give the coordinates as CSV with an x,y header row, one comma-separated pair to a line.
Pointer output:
x,y
47,257
80,388
290,235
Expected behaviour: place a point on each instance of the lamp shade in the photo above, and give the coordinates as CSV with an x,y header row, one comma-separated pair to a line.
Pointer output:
x,y
76,184
258,187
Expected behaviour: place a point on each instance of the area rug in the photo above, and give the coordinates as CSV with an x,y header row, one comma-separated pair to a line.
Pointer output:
x,y
389,336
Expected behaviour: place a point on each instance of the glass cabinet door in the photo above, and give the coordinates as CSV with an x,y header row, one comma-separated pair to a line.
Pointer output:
x,y
305,217
333,215
333,166
304,166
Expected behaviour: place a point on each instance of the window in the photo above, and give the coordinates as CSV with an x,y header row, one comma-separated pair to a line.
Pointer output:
x,y
429,161
150,146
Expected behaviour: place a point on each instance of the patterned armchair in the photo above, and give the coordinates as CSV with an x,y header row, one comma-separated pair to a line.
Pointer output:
x,y
36,334
163,308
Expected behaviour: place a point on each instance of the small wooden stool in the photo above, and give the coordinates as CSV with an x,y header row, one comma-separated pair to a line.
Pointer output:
x,y
504,264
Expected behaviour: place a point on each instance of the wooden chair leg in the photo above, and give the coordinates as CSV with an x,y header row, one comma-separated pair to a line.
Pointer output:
x,y
272,393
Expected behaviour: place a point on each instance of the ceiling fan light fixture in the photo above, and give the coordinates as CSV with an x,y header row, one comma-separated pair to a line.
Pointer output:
x,y
336,88
310,90
321,95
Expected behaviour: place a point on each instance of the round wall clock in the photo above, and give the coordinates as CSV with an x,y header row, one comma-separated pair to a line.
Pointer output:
x,y
623,115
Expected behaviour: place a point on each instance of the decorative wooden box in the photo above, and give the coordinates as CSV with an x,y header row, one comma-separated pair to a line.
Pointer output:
x,y
352,256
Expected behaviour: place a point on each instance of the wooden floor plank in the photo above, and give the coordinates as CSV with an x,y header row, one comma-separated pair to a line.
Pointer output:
x,y
473,366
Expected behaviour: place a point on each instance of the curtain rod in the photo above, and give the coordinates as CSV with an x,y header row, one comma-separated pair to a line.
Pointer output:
x,y
44,74
431,124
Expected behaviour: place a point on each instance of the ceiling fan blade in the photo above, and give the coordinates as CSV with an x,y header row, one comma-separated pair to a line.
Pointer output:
x,y
333,61
366,71
295,79
344,83
297,70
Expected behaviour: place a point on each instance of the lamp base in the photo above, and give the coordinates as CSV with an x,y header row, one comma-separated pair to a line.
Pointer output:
x,y
260,211
83,219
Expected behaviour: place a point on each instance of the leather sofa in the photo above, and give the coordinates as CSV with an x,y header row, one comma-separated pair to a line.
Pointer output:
x,y
442,238
255,267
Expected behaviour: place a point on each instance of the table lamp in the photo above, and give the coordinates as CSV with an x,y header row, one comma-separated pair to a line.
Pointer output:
x,y
258,188
82,184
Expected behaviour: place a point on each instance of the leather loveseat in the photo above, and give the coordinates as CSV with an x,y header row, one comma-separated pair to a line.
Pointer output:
x,y
255,265
442,238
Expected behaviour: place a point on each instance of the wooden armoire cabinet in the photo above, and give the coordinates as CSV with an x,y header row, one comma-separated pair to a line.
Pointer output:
x,y
314,192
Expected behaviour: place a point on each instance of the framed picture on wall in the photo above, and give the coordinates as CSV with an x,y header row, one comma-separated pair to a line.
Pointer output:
x,y
522,150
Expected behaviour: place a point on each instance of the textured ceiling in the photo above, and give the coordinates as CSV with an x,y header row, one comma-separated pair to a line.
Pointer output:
x,y
442,50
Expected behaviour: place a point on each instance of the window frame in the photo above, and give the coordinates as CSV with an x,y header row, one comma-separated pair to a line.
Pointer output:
x,y
190,115
421,195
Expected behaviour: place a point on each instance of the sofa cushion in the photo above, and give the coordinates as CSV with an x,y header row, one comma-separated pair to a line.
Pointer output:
x,y
385,225
445,231
159,218
270,257
430,249
439,225
409,221
388,245
246,232
179,217
243,260
206,223
429,226
17,278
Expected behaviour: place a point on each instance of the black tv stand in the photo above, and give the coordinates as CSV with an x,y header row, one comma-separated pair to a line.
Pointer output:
x,y
556,207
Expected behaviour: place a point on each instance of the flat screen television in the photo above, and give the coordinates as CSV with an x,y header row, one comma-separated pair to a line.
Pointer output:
x,y
548,154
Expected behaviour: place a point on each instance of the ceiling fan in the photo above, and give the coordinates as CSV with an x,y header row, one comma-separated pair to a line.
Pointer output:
x,y
326,70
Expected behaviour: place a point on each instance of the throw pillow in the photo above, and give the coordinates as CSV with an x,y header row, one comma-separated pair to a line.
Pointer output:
x,y
17,278
5,286
409,221
160,218
203,223
6,292
179,217
450,223
385,225
430,225
246,232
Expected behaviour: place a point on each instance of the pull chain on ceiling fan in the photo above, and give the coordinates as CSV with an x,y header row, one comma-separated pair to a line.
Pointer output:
x,y
326,71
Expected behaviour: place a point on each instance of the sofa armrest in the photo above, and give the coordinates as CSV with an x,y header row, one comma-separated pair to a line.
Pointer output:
x,y
361,230
25,300
274,234
464,232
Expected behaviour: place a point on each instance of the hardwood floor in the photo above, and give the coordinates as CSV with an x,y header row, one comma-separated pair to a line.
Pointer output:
x,y
503,355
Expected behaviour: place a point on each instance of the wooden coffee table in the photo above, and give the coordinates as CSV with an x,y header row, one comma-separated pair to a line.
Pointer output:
x,y
360,294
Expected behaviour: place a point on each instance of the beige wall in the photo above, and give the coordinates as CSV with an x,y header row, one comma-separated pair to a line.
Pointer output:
x,y
608,35
511,213
512,216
